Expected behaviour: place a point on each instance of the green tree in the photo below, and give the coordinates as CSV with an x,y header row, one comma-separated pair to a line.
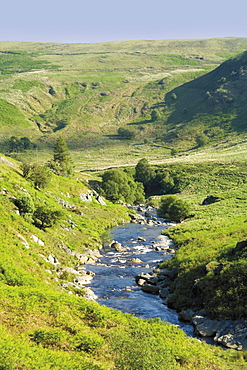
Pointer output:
x,y
155,115
144,173
167,183
126,133
202,140
40,175
174,208
46,217
26,207
61,164
118,185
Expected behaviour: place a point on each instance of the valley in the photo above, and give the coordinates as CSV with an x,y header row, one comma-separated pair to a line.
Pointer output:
x,y
86,129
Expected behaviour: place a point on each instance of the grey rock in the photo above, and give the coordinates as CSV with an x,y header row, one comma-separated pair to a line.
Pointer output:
x,y
152,289
186,315
164,292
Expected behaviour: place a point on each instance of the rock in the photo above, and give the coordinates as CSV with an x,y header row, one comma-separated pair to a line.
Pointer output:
x,y
153,280
89,294
136,217
141,239
236,341
82,280
100,200
118,247
186,315
205,326
141,282
152,289
86,197
37,240
24,242
70,270
53,260
134,260
164,292
171,274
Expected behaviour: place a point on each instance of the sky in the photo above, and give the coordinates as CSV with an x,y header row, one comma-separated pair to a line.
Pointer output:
x,y
90,21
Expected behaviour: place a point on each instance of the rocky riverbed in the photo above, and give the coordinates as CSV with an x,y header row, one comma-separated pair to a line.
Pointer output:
x,y
109,278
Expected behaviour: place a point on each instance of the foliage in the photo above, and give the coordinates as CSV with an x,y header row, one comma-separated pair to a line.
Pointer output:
x,y
46,217
126,133
144,173
117,185
19,145
25,204
40,175
61,164
174,208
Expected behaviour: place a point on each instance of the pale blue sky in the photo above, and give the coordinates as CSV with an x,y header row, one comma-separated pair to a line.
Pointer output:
x,y
83,21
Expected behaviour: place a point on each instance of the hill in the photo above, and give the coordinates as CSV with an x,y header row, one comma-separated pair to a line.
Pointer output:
x,y
45,321
213,105
87,91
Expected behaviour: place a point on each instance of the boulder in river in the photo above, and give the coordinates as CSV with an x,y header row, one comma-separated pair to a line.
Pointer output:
x,y
141,239
118,247
152,289
134,260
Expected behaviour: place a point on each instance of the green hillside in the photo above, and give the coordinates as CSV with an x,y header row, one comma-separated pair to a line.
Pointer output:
x,y
213,105
87,91
179,103
45,321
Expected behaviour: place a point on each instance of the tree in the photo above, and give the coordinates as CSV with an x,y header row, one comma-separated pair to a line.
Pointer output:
x,y
18,145
45,217
167,183
174,208
40,175
144,173
26,207
126,133
155,115
61,164
117,185
202,140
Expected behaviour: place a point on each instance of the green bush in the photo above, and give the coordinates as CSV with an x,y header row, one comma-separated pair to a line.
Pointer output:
x,y
126,133
25,204
46,217
117,185
174,208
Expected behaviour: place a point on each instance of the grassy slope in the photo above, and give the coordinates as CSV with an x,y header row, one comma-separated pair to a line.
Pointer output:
x,y
44,327
212,270
59,86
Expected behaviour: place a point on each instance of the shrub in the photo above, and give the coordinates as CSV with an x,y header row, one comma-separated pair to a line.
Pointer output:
x,y
118,185
25,204
40,175
45,217
174,208
126,133
61,164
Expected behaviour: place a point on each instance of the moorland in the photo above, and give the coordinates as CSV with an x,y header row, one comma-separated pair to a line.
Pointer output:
x,y
181,105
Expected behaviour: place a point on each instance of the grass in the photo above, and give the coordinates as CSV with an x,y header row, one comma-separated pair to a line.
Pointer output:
x,y
44,327
60,86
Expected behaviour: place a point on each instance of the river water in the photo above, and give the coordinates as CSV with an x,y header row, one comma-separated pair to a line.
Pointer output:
x,y
114,281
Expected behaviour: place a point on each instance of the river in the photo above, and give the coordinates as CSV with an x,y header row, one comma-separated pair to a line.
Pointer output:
x,y
114,281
